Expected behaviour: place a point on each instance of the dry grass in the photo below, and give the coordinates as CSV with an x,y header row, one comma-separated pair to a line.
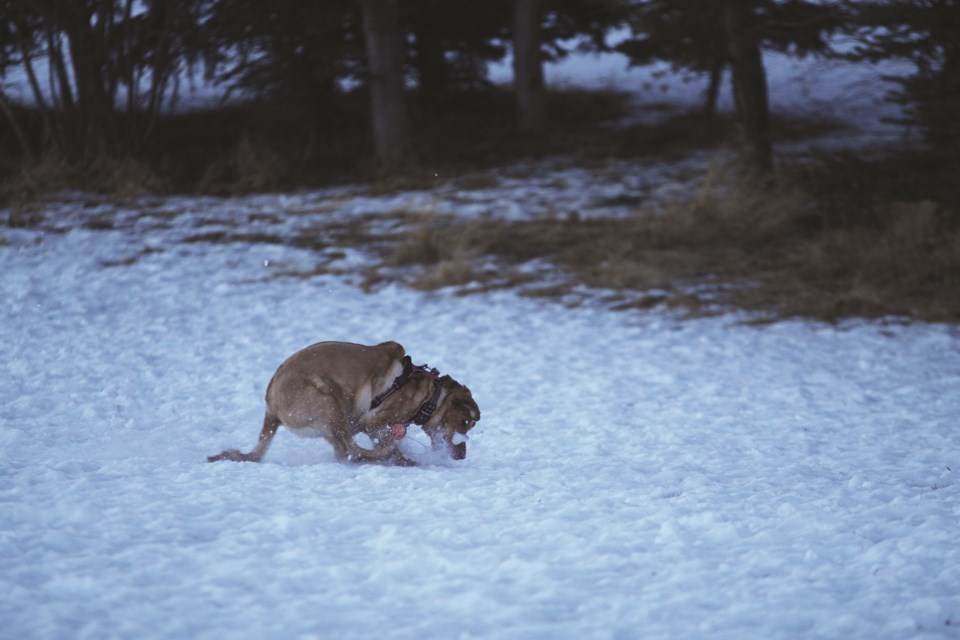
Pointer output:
x,y
831,240
679,134
251,166
906,264
773,251
269,146
265,145
122,178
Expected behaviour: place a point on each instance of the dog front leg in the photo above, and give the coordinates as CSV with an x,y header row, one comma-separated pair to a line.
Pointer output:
x,y
389,455
270,425
385,450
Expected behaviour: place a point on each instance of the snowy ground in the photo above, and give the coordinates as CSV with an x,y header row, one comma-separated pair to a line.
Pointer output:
x,y
633,476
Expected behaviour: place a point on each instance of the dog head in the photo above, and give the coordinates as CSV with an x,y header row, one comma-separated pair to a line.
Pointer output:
x,y
456,414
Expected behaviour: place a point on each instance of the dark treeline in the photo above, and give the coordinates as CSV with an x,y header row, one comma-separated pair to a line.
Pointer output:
x,y
103,73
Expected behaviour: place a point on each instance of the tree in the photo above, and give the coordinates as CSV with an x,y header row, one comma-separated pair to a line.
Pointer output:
x,y
546,30
706,37
430,47
685,33
105,58
385,53
528,65
926,34
749,82
291,53
453,42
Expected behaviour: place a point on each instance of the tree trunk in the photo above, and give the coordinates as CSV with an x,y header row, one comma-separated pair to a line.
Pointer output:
x,y
713,89
431,61
391,124
27,154
749,81
528,65
95,132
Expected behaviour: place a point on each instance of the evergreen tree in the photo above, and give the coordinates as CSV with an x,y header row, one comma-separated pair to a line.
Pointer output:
x,y
291,52
453,42
546,30
926,33
688,34
385,54
706,37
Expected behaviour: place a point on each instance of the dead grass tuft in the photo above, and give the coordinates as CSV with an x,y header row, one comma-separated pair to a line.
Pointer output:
x,y
21,191
417,247
775,251
679,134
252,166
121,178
413,180
448,272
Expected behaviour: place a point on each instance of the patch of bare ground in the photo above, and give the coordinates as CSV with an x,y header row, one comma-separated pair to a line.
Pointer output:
x,y
830,242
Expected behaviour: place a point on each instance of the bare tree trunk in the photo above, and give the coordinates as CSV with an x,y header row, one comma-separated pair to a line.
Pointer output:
x,y
162,67
749,82
61,93
17,130
391,123
431,63
52,129
127,49
713,89
528,65
94,131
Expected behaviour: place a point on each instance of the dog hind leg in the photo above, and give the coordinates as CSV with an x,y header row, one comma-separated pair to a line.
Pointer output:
x,y
270,425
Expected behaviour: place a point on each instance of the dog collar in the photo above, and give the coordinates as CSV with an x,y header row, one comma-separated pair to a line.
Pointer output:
x,y
425,411
398,382
427,408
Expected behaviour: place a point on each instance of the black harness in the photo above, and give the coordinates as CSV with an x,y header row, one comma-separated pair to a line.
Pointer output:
x,y
428,407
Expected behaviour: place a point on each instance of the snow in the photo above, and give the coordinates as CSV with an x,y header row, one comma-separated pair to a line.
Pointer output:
x,y
633,475
852,92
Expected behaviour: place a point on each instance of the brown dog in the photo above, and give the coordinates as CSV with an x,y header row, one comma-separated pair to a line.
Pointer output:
x,y
337,390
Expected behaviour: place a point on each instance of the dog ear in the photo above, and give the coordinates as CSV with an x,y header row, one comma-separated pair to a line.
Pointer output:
x,y
395,349
451,386
472,409
468,407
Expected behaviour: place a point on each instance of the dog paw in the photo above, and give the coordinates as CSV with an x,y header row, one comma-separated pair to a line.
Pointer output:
x,y
401,460
233,455
223,455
